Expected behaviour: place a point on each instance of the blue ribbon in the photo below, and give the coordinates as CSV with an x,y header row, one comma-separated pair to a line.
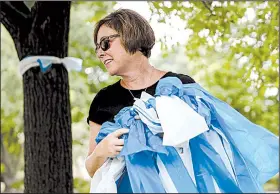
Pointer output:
x,y
43,69
140,151
255,150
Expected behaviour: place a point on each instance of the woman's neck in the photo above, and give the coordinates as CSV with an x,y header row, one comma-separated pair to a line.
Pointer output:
x,y
139,78
141,74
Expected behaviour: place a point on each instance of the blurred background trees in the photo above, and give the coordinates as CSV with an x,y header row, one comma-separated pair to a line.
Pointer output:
x,y
230,48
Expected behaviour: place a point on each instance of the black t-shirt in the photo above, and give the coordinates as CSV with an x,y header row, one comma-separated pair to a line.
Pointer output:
x,y
111,99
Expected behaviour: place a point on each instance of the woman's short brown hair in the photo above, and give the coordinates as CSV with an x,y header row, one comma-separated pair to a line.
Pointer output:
x,y
134,30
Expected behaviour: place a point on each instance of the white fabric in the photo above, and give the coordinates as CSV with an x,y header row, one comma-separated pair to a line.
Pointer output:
x,y
104,179
227,148
166,180
145,96
178,120
147,116
68,62
217,189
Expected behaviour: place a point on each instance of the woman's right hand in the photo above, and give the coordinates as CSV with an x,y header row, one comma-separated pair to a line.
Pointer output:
x,y
111,145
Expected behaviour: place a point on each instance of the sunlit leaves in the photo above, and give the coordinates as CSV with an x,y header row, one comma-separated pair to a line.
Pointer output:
x,y
223,29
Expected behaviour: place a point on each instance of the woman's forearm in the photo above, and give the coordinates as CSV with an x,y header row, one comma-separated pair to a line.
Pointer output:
x,y
93,162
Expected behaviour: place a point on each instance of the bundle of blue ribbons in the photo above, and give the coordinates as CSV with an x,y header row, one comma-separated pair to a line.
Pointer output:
x,y
254,150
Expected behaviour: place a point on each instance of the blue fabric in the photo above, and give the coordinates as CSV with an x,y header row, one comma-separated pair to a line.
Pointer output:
x,y
140,150
123,184
177,171
255,150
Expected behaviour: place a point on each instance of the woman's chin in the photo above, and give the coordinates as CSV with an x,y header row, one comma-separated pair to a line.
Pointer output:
x,y
111,71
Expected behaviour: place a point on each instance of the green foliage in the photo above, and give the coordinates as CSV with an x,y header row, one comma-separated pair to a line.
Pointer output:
x,y
2,167
220,50
11,111
81,186
18,185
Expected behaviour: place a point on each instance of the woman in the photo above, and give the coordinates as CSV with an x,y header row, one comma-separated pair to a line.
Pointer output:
x,y
222,151
123,40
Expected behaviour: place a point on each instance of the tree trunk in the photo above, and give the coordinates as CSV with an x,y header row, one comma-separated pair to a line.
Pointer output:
x,y
48,153
47,117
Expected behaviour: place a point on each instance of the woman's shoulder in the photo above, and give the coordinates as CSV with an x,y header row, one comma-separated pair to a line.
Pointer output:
x,y
186,79
109,90
101,104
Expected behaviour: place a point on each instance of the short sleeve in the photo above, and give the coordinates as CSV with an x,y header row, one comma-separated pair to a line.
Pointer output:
x,y
93,109
186,79
95,112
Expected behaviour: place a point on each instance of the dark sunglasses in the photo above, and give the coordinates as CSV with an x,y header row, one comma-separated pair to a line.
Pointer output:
x,y
105,43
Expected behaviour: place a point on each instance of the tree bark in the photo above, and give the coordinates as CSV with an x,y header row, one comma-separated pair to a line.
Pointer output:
x,y
48,140
47,117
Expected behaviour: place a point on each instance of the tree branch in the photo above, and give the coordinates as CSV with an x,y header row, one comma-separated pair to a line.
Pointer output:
x,y
48,17
49,10
207,7
14,16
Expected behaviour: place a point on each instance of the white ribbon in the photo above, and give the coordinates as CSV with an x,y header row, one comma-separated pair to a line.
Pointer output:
x,y
71,63
179,121
174,117
147,115
104,179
